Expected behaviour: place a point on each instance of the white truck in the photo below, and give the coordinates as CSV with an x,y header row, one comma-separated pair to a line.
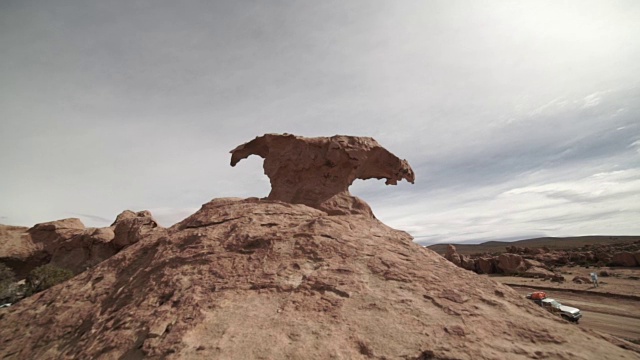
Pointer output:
x,y
567,312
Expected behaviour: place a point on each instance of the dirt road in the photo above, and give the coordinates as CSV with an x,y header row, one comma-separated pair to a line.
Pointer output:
x,y
611,315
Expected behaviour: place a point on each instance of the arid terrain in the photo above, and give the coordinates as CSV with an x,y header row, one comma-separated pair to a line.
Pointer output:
x,y
554,243
613,307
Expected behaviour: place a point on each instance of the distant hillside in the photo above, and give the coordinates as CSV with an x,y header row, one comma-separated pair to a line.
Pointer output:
x,y
554,243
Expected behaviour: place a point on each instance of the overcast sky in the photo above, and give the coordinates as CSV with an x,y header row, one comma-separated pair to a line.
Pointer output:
x,y
519,118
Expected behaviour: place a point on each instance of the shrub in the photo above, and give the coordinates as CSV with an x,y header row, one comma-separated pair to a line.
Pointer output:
x,y
7,277
46,276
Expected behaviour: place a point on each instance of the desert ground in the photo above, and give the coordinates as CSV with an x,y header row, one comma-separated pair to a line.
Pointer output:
x,y
612,308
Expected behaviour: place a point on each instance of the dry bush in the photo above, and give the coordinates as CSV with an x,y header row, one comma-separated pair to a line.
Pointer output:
x,y
46,276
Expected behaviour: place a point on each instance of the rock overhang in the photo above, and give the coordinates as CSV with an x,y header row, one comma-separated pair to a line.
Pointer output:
x,y
318,171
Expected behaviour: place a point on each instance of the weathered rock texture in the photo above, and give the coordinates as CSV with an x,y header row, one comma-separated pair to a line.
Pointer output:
x,y
130,227
624,259
318,171
263,279
68,244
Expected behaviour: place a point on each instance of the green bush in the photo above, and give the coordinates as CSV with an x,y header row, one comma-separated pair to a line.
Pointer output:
x,y
46,276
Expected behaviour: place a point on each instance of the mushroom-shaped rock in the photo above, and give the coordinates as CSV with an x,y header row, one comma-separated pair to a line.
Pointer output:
x,y
318,171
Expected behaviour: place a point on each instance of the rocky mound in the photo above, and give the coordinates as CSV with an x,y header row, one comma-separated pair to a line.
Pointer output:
x,y
266,279
244,279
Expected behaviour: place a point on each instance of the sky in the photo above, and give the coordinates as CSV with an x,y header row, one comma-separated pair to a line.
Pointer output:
x,y
520,118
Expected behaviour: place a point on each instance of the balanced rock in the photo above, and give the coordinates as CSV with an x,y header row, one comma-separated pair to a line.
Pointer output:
x,y
318,171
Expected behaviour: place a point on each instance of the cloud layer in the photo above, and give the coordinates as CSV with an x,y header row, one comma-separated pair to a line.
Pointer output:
x,y
519,119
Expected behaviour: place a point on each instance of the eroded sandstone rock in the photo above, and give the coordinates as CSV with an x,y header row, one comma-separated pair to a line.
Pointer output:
x,y
487,265
511,263
452,255
318,171
68,244
262,279
130,227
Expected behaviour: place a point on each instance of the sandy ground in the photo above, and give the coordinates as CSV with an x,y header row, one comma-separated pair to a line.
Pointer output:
x,y
617,317
612,308
625,282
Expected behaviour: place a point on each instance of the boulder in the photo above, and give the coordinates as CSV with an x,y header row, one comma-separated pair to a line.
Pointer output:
x,y
581,280
84,250
553,258
130,227
624,258
453,256
467,263
538,272
515,249
511,263
534,263
533,251
17,249
49,234
603,256
487,265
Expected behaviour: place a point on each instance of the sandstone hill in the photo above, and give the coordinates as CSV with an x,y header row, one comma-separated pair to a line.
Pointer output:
x,y
269,279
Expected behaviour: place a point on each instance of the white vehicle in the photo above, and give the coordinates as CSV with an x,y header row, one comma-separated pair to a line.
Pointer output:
x,y
567,312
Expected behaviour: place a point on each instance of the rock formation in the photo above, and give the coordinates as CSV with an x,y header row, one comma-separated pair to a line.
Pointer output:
x,y
624,258
461,260
267,279
68,244
538,261
251,279
318,171
511,263
453,256
130,227
487,265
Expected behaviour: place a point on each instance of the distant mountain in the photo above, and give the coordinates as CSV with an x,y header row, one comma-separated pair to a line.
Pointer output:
x,y
554,243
